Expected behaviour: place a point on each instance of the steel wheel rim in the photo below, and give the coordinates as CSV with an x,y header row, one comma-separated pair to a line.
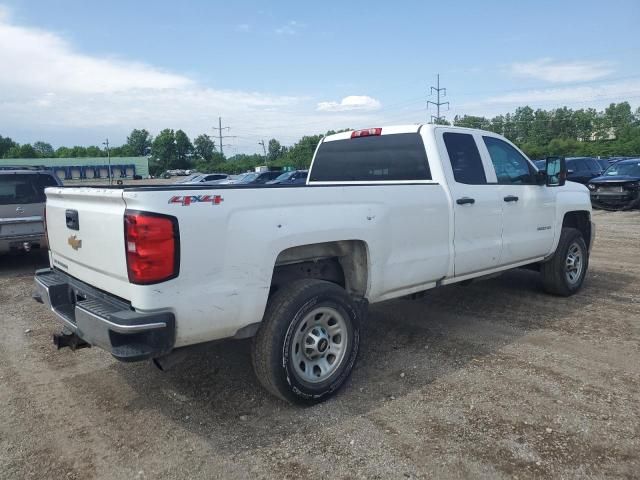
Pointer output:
x,y
319,344
574,263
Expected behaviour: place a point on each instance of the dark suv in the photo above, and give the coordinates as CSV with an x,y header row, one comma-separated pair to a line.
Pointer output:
x,y
579,169
22,202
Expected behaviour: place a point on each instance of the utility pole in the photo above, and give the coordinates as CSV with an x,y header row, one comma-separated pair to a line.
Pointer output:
x,y
106,142
264,149
220,136
437,104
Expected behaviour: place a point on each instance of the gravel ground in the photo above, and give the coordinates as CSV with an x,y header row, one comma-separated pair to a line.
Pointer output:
x,y
491,380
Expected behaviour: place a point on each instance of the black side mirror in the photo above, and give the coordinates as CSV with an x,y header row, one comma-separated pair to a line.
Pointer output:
x,y
556,171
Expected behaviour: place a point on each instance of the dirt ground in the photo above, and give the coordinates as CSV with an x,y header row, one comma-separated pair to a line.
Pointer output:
x,y
491,380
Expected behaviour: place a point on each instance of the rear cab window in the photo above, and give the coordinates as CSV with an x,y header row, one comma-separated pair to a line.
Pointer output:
x,y
465,159
392,157
24,188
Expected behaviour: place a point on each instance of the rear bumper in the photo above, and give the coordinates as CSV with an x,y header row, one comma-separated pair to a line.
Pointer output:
x,y
103,320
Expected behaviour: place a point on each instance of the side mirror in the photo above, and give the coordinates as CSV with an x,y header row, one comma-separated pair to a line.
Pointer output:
x,y
556,171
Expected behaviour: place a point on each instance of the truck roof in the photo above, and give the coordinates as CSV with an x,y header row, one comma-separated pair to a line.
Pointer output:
x,y
395,129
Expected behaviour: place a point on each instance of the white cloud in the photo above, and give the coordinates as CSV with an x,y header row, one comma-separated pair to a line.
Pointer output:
x,y
291,28
561,72
350,103
50,91
611,92
243,27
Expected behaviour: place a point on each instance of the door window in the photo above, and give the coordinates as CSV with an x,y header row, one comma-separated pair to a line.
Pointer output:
x,y
465,158
510,165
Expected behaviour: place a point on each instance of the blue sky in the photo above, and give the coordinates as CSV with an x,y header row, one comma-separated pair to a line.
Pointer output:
x,y
78,71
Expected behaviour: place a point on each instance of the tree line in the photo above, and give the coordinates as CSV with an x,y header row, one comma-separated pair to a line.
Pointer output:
x,y
563,131
540,133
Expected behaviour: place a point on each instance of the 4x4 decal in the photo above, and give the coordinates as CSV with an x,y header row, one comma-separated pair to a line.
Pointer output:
x,y
187,200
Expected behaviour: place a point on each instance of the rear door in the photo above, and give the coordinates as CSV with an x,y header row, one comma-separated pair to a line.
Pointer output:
x,y
477,209
528,208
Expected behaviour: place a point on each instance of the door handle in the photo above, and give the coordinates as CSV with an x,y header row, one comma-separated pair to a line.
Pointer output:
x,y
510,198
464,200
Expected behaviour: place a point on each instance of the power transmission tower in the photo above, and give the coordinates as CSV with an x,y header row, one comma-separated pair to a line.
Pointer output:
x,y
437,118
220,136
264,149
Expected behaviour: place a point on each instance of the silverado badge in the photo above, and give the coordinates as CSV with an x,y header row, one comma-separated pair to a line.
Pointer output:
x,y
75,242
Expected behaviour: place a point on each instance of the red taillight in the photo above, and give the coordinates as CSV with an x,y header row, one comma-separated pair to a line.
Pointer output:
x,y
152,247
367,132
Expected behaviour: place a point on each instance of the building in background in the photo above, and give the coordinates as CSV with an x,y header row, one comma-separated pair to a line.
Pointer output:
x,y
88,168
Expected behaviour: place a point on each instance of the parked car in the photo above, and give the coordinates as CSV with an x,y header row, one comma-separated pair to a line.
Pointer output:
x,y
187,179
294,177
248,178
582,169
22,201
618,187
604,163
579,169
160,268
201,178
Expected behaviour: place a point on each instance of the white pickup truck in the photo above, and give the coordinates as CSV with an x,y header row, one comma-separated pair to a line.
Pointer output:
x,y
145,271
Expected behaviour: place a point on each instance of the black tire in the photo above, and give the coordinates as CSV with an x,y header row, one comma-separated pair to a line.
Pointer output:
x,y
555,278
273,353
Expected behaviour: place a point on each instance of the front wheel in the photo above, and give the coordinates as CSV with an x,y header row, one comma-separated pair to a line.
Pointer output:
x,y
564,273
308,342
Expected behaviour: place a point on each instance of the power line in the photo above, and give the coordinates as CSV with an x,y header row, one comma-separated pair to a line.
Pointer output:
x,y
221,137
437,104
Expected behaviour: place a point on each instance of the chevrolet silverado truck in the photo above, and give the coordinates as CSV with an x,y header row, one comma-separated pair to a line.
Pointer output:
x,y
146,271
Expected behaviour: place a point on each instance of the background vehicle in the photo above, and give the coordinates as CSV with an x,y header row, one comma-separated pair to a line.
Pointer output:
x,y
248,178
604,163
22,201
294,177
162,267
579,169
202,177
618,187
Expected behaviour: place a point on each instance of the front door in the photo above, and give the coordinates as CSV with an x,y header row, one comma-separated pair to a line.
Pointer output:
x,y
528,209
477,208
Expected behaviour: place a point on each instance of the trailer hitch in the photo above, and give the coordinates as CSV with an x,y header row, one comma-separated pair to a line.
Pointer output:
x,y
71,340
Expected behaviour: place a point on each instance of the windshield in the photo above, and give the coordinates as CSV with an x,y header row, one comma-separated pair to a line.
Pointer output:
x,y
24,188
190,178
629,169
249,177
283,177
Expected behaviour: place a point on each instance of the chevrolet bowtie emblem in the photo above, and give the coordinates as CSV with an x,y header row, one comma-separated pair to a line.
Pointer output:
x,y
74,242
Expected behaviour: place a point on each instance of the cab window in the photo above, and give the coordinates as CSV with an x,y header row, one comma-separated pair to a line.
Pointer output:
x,y
465,158
511,167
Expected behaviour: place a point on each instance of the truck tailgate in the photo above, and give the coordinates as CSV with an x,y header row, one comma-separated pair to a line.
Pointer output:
x,y
86,236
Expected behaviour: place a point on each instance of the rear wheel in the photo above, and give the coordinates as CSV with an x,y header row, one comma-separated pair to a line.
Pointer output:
x,y
564,273
308,342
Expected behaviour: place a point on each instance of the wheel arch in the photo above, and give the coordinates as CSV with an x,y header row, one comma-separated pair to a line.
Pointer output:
x,y
344,262
580,220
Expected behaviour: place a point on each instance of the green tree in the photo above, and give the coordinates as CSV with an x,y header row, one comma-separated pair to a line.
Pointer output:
x,y
300,154
204,147
139,142
163,149
184,150
5,145
43,149
274,150
470,121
